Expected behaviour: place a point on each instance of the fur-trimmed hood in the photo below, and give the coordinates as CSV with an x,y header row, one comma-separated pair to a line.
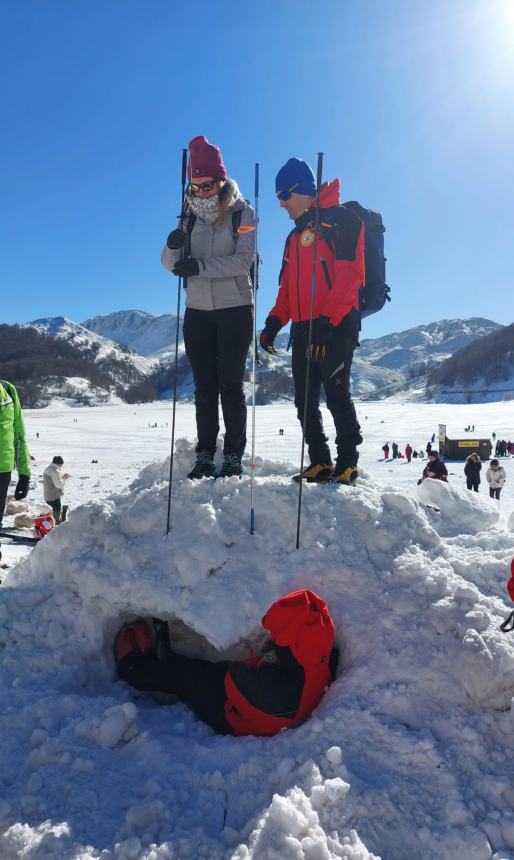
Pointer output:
x,y
230,195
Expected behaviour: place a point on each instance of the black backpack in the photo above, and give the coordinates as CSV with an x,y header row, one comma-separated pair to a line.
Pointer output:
x,y
375,292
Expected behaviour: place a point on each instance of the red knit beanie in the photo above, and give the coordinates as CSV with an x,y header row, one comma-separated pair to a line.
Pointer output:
x,y
205,159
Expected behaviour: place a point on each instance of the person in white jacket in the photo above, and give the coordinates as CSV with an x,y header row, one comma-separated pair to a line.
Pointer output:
x,y
495,477
53,486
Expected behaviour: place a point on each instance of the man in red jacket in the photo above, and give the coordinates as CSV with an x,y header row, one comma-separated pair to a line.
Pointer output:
x,y
339,276
258,696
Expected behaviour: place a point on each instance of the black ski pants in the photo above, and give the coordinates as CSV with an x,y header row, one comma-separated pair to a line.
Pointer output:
x,y
472,485
56,510
5,480
200,684
494,492
217,344
334,374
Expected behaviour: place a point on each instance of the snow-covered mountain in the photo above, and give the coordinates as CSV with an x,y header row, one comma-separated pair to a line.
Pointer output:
x,y
382,366
152,335
483,371
136,349
385,366
105,348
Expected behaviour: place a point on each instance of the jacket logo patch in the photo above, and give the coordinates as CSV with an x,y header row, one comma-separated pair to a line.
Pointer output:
x,y
307,237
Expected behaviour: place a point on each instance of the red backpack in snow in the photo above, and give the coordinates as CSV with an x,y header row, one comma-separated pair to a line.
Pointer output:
x,y
301,622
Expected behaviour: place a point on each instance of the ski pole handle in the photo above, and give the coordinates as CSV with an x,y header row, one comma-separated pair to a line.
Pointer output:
x,y
319,172
184,169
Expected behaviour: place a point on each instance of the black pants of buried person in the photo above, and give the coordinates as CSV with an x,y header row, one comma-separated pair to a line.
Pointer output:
x,y
199,684
217,344
494,492
472,485
5,480
334,374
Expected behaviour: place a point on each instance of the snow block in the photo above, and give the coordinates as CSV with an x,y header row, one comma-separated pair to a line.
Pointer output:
x,y
463,511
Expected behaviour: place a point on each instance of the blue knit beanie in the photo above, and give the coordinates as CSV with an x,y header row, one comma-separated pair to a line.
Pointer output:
x,y
297,176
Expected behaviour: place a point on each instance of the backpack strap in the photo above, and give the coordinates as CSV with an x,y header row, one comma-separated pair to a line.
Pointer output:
x,y
191,218
286,249
236,223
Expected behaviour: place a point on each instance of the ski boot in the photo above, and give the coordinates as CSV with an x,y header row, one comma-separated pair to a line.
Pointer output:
x,y
316,473
204,466
346,476
133,637
230,467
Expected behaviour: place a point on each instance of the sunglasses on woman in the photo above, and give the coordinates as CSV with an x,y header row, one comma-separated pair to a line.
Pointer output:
x,y
285,195
205,186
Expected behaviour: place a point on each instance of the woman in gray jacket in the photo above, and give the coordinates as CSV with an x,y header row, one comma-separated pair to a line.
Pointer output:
x,y
213,250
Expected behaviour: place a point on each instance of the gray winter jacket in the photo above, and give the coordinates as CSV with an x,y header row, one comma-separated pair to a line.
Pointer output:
x,y
225,262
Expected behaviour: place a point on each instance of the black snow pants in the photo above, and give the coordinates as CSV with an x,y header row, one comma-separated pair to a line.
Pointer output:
x,y
5,480
217,344
334,374
56,510
200,684
472,485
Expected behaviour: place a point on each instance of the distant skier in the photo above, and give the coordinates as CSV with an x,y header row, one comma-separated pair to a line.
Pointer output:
x,y
395,450
339,275
428,448
215,251
408,452
385,449
53,486
258,696
435,468
496,477
472,472
14,453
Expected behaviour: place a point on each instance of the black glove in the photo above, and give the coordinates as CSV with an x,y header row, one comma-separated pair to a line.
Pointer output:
x,y
187,268
267,337
322,330
22,487
176,239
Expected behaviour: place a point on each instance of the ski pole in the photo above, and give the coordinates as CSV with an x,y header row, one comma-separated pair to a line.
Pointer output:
x,y
184,169
255,288
307,374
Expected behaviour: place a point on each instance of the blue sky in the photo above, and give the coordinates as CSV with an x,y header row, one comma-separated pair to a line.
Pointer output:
x,y
412,104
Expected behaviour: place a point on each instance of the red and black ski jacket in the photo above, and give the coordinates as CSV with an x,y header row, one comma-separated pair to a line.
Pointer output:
x,y
510,584
339,263
281,689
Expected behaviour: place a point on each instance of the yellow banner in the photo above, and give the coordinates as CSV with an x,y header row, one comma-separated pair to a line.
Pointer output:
x,y
463,443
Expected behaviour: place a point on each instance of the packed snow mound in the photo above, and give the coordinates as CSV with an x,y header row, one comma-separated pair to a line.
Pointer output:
x,y
409,753
463,511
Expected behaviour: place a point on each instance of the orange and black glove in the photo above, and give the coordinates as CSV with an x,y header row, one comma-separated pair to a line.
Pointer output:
x,y
267,337
322,330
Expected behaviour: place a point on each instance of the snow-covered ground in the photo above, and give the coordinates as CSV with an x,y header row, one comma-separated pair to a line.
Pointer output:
x,y
410,756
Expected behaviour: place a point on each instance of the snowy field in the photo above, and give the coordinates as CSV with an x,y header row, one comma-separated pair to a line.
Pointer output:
x,y
410,755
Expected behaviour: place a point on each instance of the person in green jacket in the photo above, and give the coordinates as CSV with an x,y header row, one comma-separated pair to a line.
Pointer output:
x,y
14,453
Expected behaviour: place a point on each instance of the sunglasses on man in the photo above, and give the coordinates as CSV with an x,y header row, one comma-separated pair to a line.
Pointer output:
x,y
285,195
205,186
